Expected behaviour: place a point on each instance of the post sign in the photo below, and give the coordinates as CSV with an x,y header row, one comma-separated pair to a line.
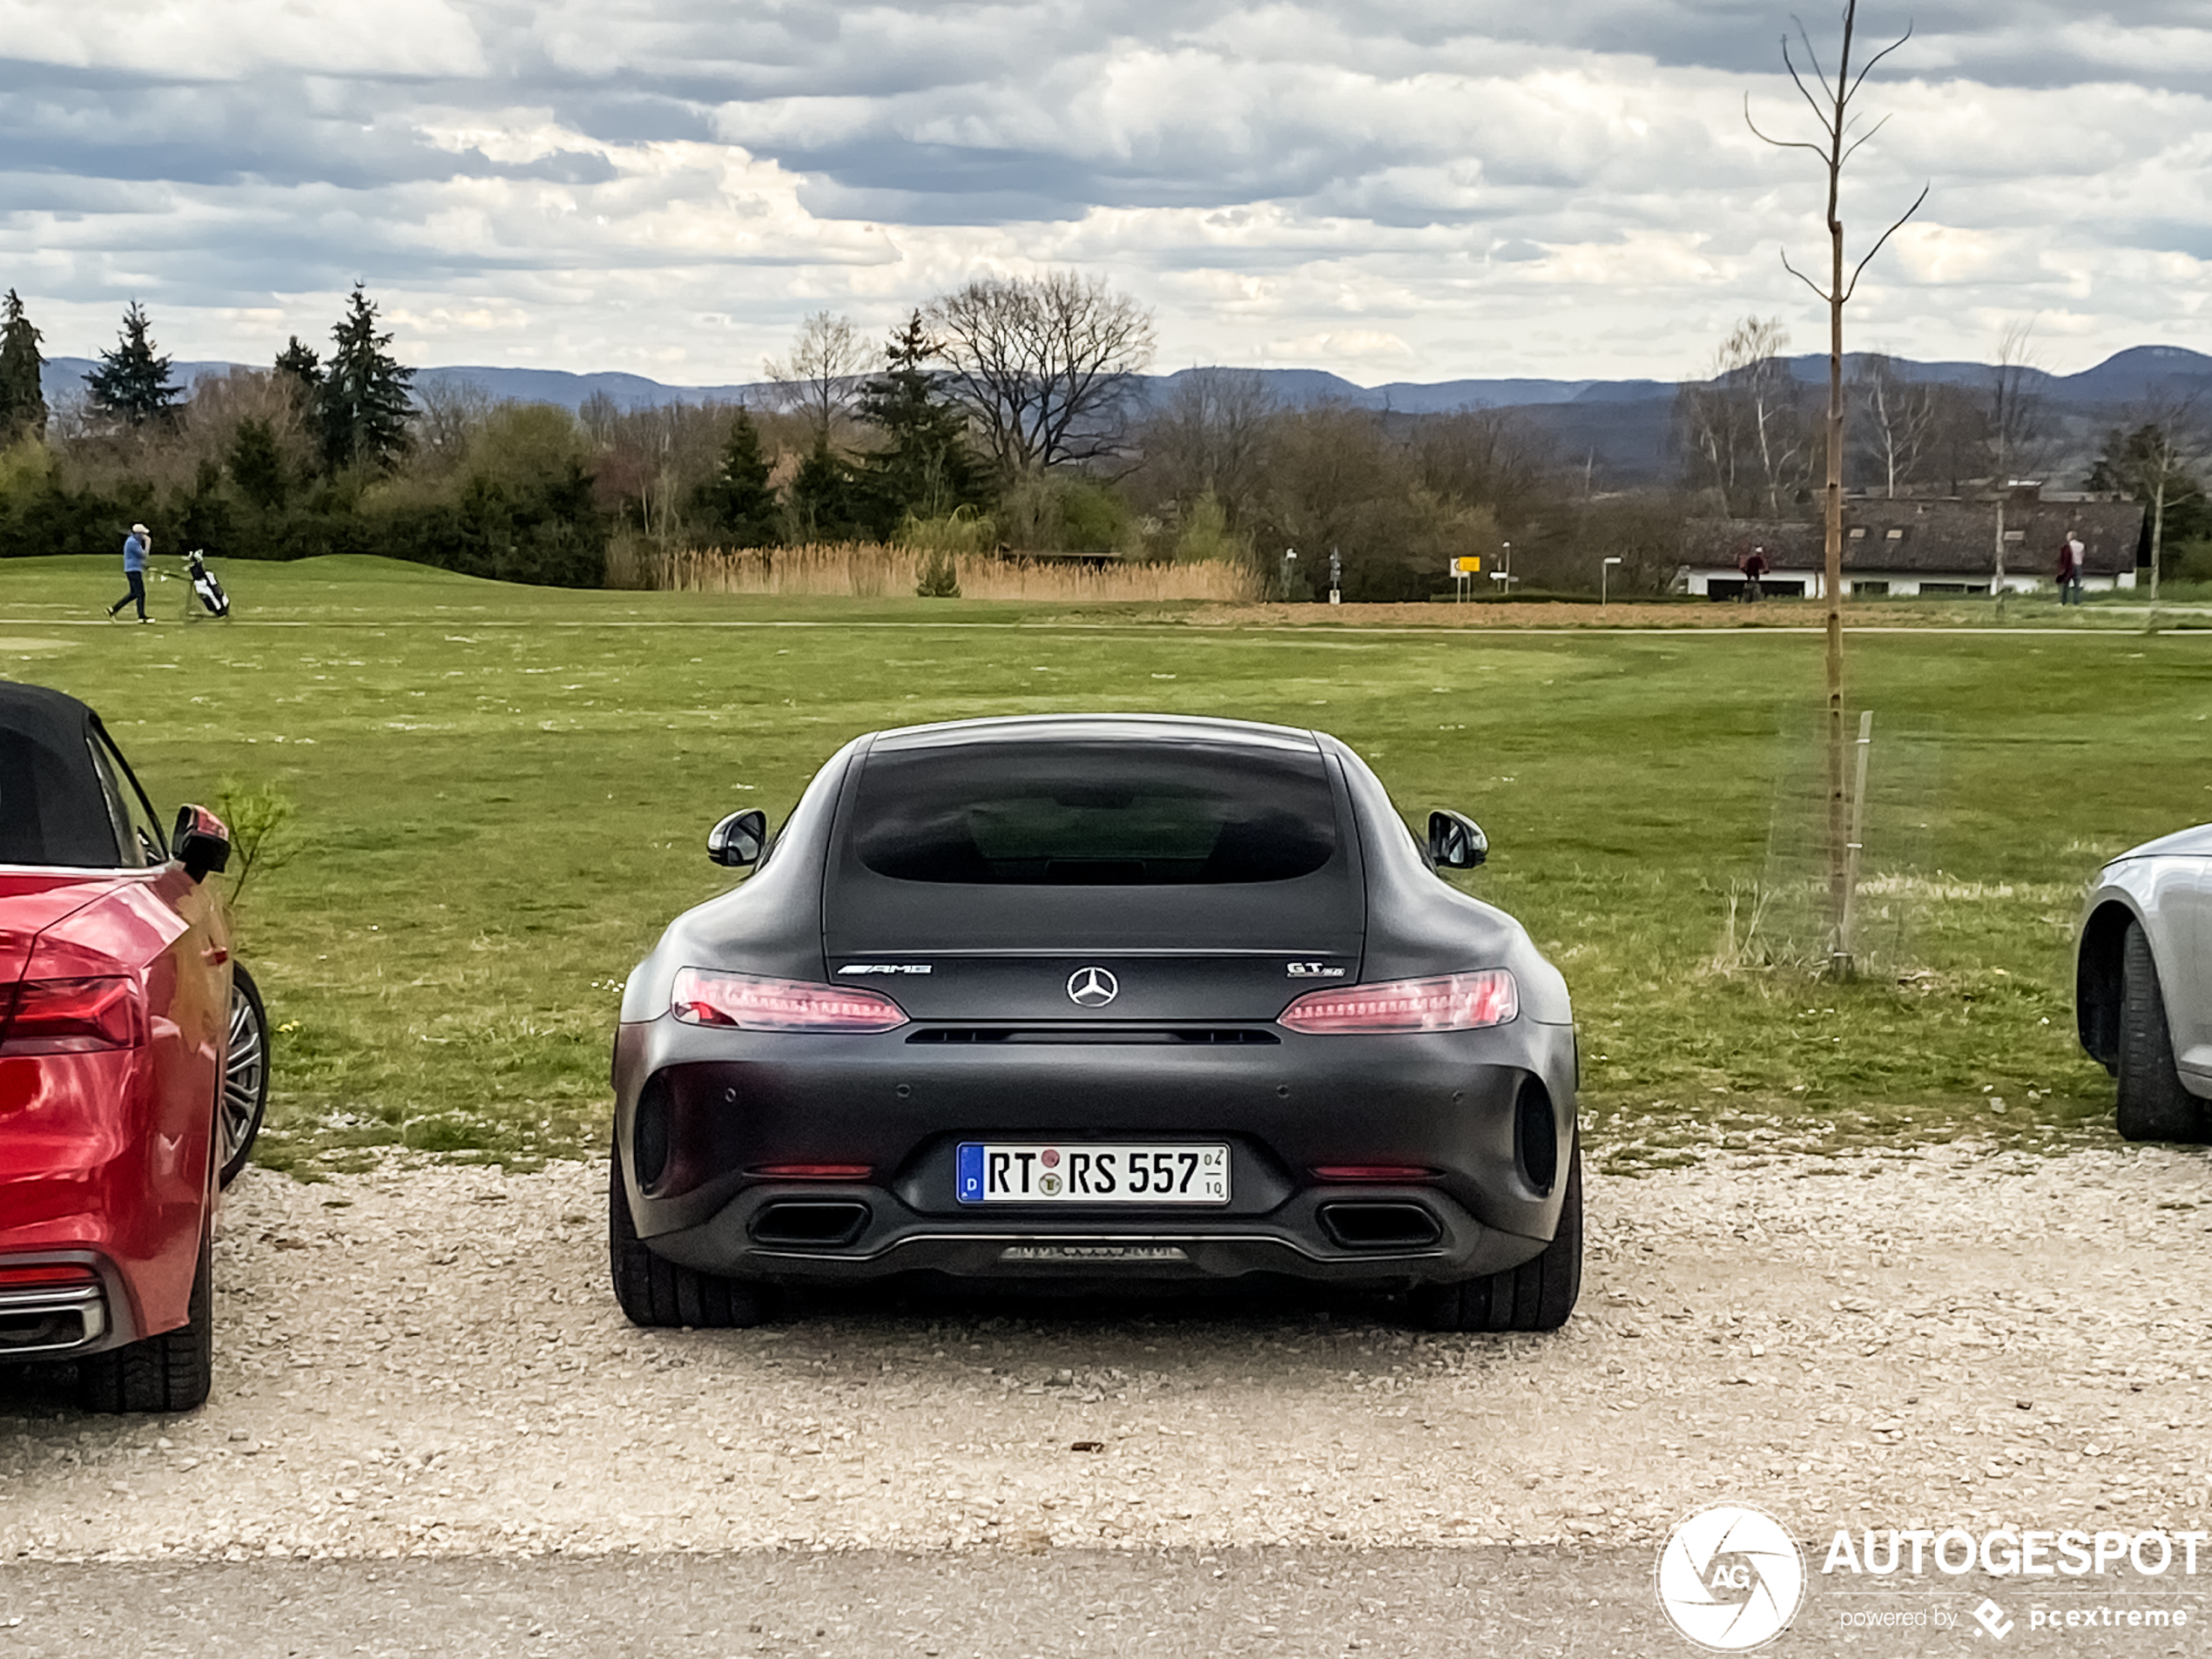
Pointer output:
x,y
1466,567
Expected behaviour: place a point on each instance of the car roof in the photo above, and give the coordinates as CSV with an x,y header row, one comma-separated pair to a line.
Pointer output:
x,y
1176,729
53,719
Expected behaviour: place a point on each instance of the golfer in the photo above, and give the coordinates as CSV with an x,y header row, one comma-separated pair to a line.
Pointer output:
x,y
134,571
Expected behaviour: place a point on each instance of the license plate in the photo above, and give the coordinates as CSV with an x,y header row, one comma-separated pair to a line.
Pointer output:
x,y
1013,1172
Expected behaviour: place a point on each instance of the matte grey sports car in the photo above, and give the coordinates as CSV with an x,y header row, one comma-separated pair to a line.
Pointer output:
x,y
2143,984
1096,997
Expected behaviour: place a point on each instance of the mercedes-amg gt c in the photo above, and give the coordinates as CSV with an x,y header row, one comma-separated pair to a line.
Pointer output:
x,y
1120,997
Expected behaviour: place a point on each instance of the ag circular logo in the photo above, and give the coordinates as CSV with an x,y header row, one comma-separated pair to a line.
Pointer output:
x,y
1732,1578
1092,988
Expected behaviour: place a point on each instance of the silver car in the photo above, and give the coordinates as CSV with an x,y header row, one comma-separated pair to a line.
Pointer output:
x,y
2143,984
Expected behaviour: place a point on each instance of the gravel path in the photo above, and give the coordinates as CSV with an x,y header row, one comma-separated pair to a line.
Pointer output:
x,y
426,1360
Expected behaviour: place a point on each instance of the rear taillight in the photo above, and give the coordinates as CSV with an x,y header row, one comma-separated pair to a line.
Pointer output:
x,y
44,1275
754,1002
1448,1002
1387,1172
70,1016
813,1171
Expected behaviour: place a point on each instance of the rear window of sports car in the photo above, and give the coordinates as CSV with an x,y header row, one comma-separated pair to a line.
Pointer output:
x,y
1094,814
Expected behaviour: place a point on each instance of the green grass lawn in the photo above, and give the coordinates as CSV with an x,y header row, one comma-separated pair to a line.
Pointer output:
x,y
502,793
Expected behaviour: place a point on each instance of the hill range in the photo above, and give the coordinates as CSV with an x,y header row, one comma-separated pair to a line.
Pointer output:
x,y
1623,428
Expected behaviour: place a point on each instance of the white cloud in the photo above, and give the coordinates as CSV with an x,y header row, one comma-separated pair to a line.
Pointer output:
x,y
668,187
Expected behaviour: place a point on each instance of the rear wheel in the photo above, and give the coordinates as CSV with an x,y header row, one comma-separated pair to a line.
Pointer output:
x,y
1537,1296
2153,1104
654,1291
245,1076
170,1372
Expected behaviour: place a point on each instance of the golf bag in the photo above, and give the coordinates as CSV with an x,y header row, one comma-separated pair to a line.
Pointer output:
x,y
204,585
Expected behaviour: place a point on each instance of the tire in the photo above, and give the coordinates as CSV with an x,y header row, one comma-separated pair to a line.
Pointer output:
x,y
2153,1105
169,1373
245,1094
1537,1296
655,1292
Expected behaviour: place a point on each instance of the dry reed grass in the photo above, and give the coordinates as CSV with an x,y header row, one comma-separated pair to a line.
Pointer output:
x,y
871,570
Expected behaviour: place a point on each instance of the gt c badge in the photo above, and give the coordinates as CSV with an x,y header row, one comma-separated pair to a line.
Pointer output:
x,y
1092,988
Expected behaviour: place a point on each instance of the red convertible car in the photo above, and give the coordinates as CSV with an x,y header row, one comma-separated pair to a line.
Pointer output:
x,y
133,1063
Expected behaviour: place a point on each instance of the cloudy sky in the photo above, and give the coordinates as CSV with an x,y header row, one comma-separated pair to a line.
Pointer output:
x,y
1391,189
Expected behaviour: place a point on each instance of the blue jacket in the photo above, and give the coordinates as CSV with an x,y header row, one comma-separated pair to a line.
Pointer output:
x,y
134,554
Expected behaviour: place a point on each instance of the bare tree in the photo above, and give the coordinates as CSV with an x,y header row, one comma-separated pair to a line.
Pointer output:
x,y
447,413
1045,366
1900,416
1209,437
820,378
1489,458
2019,425
1743,425
1839,141
2157,460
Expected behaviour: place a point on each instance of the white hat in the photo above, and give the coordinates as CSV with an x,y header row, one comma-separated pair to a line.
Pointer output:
x,y
140,529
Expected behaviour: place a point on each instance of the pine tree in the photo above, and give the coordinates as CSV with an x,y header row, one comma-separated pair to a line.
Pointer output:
x,y
829,502
363,402
304,369
23,399
928,469
736,501
256,464
131,383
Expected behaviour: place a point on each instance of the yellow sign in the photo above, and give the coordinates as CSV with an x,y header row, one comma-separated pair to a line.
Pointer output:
x,y
1466,567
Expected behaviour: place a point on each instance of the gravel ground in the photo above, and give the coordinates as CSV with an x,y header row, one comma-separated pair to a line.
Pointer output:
x,y
426,1360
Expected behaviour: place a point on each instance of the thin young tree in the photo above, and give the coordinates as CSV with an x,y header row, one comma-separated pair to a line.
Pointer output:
x,y
1832,108
23,397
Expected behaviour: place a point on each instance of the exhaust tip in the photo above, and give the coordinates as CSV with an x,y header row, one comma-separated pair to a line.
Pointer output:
x,y
1380,1224
820,1223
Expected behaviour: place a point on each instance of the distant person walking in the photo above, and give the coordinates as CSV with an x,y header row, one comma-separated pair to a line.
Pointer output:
x,y
1754,567
2071,553
134,571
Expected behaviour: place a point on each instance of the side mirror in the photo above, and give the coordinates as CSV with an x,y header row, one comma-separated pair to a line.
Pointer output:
x,y
200,843
1456,841
738,839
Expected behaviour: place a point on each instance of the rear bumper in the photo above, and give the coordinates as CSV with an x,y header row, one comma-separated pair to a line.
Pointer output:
x,y
719,1107
1293,1241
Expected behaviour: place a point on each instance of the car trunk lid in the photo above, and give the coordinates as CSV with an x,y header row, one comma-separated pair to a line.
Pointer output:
x,y
33,900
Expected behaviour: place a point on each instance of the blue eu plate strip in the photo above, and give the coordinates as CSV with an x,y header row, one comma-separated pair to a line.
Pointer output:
x,y
970,1183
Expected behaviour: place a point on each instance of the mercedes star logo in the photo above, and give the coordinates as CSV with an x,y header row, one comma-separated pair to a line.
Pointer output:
x,y
1092,988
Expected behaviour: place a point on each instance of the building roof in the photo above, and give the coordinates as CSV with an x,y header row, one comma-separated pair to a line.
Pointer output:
x,y
1933,537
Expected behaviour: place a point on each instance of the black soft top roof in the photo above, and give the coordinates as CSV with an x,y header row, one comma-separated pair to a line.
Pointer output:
x,y
53,809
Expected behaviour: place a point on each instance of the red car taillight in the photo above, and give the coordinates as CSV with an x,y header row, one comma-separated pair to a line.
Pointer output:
x,y
1448,1002
70,1016
755,1002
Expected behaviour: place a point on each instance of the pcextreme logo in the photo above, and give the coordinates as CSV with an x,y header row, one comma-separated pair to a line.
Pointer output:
x,y
1732,1578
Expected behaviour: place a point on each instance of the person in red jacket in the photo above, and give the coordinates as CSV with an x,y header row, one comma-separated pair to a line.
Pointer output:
x,y
2069,569
1754,566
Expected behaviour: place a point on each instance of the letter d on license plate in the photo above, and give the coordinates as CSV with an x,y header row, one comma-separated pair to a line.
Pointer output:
x,y
1020,1172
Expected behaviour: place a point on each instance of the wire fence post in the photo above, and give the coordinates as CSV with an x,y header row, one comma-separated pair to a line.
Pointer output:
x,y
1856,846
